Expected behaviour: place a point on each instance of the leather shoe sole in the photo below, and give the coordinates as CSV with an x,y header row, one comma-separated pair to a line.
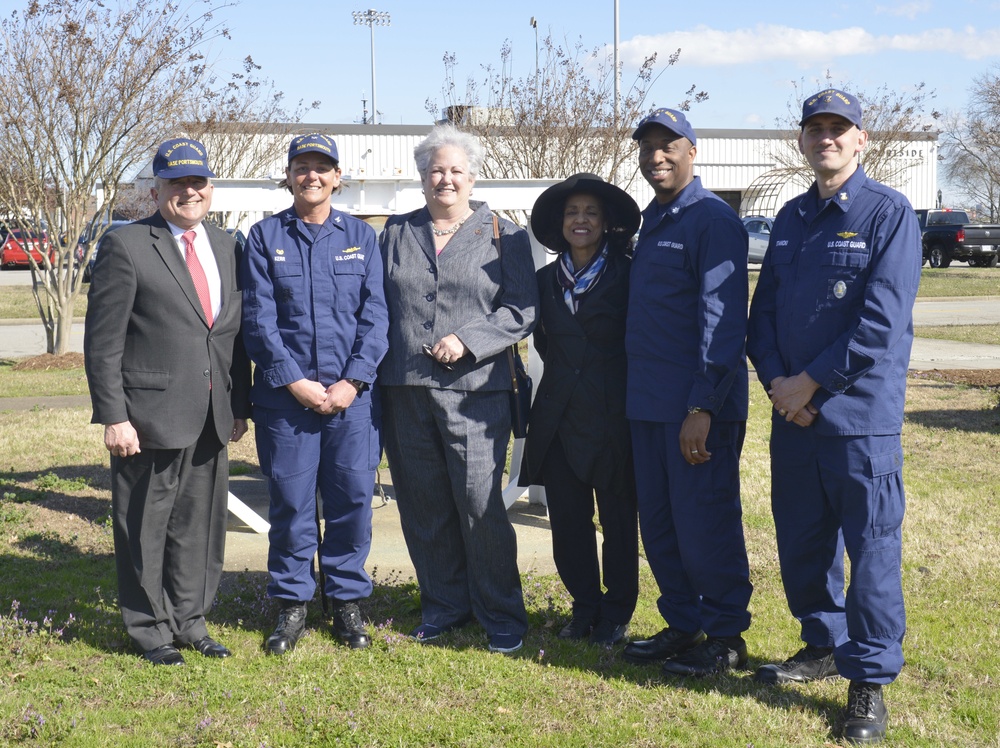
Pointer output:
x,y
208,647
167,654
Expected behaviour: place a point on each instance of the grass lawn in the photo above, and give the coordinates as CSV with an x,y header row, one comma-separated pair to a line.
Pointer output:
x,y
68,676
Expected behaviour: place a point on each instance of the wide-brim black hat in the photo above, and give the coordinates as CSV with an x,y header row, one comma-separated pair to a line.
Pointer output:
x,y
620,211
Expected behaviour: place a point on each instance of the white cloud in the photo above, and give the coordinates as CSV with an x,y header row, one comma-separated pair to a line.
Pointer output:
x,y
904,10
707,47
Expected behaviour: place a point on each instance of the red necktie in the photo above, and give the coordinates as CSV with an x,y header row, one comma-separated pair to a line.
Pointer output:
x,y
197,275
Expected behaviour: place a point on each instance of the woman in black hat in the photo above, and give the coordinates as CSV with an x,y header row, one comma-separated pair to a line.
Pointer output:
x,y
578,442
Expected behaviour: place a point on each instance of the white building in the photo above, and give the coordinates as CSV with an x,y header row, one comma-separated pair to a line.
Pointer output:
x,y
380,177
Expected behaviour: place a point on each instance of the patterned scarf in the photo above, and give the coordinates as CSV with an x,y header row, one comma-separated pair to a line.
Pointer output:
x,y
577,284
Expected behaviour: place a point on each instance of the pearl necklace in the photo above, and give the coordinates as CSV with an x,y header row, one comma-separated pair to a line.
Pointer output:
x,y
452,230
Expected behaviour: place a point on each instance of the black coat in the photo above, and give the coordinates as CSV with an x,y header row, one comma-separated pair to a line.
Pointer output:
x,y
581,396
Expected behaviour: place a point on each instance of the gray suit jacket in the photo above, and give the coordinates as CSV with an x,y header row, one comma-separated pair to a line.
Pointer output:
x,y
149,351
466,290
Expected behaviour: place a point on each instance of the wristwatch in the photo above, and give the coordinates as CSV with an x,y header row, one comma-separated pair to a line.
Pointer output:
x,y
358,385
695,409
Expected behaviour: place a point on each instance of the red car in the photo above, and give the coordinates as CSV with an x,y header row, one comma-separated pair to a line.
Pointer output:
x,y
13,254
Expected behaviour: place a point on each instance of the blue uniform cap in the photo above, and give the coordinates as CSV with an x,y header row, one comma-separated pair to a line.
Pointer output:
x,y
181,157
832,101
671,119
313,143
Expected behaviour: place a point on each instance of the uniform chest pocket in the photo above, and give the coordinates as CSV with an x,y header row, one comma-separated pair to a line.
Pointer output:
x,y
348,276
287,269
669,258
781,255
288,291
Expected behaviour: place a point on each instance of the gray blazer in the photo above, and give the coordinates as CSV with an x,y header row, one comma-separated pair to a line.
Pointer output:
x,y
466,290
149,350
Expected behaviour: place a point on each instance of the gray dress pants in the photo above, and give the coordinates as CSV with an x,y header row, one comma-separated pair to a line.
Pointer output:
x,y
446,451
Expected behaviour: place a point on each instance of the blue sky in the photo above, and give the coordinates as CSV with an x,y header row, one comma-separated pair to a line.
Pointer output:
x,y
745,55
745,59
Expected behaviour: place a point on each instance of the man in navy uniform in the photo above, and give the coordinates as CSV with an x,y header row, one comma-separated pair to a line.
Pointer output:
x,y
687,404
830,336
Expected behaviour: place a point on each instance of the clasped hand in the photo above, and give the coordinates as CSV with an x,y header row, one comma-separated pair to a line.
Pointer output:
x,y
324,400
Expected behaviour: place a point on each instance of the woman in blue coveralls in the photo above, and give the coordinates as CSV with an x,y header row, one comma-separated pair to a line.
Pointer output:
x,y
315,324
578,441
457,300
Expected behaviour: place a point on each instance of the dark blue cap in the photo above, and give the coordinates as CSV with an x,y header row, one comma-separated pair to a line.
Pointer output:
x,y
671,119
313,143
181,157
832,101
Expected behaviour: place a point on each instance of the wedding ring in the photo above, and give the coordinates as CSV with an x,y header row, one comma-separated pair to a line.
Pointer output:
x,y
694,451
782,412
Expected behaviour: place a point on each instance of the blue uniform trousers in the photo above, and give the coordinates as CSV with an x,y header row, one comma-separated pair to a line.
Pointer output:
x,y
691,521
828,494
301,450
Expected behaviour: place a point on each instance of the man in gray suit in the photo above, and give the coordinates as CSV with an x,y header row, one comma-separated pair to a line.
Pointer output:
x,y
170,382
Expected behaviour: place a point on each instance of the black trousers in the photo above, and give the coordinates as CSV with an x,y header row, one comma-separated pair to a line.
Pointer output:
x,y
574,540
169,508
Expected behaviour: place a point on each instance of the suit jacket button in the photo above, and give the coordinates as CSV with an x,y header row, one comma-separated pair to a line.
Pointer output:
x,y
429,297
428,325
207,373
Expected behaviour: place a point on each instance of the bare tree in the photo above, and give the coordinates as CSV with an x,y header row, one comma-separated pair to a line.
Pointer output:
x,y
971,147
560,120
85,89
893,119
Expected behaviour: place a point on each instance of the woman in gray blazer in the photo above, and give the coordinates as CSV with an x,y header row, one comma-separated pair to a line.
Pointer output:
x,y
456,302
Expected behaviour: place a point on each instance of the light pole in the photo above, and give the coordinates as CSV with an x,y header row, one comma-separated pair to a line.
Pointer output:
x,y
534,25
618,71
371,19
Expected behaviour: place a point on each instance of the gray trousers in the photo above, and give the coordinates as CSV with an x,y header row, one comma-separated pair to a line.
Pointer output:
x,y
446,451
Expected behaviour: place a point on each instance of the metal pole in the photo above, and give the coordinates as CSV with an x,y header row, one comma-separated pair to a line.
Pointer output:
x,y
618,74
372,18
374,102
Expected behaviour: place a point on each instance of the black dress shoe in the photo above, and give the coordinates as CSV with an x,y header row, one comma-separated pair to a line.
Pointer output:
x,y
291,624
578,627
867,717
608,633
165,654
210,648
667,643
348,626
808,664
716,654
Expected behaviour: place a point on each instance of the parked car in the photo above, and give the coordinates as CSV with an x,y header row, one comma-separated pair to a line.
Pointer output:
x,y
12,248
948,235
759,229
94,232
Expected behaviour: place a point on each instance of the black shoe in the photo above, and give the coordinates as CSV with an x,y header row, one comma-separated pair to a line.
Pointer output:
x,y
348,626
716,654
579,627
210,648
608,633
166,654
867,717
661,646
808,664
291,624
